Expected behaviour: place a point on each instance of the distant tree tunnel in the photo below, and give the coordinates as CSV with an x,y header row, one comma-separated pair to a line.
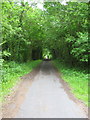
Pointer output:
x,y
28,30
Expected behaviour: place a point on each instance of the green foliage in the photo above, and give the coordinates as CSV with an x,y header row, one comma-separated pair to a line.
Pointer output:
x,y
80,47
47,54
66,34
5,53
60,28
27,31
76,78
20,30
12,72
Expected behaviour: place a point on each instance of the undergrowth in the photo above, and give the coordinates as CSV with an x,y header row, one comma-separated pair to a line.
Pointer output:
x,y
76,77
11,73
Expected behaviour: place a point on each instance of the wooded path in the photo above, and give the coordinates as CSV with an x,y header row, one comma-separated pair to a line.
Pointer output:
x,y
47,98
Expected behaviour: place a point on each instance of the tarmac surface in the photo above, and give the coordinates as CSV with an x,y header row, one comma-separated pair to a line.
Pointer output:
x,y
46,97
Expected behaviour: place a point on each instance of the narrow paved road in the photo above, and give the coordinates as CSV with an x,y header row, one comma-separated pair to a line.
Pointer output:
x,y
46,98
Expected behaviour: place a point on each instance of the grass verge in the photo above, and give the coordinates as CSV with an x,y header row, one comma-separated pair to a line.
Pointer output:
x,y
76,78
11,73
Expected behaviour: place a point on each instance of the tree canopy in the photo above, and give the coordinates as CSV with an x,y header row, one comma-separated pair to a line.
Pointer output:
x,y
61,29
